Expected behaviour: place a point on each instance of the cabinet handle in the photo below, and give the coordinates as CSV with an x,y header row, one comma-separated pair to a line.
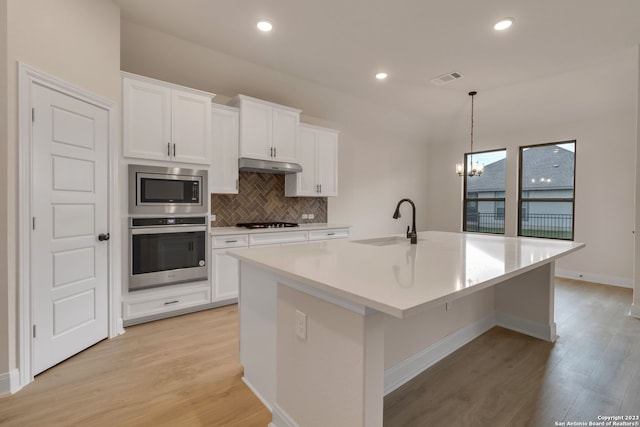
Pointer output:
x,y
331,234
271,155
231,241
171,302
174,150
275,151
168,149
320,188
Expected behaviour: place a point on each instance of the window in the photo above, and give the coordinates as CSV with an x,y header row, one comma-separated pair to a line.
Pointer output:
x,y
484,194
547,180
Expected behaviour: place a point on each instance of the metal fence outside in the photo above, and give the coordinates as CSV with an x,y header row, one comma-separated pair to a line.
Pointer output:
x,y
554,226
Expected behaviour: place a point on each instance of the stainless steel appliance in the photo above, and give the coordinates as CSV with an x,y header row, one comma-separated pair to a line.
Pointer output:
x,y
164,251
160,190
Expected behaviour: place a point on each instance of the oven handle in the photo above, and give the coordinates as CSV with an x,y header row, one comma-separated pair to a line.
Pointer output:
x,y
165,230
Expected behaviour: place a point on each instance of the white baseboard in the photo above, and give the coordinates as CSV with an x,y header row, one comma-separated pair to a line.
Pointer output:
x,y
281,418
258,395
400,373
623,282
634,311
10,382
527,327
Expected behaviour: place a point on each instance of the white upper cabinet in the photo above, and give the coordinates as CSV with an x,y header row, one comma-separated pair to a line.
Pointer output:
x,y
162,121
268,131
318,156
223,172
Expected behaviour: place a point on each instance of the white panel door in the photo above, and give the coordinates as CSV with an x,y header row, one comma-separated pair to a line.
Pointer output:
x,y
146,120
285,134
225,275
223,173
308,185
327,163
255,130
190,127
69,206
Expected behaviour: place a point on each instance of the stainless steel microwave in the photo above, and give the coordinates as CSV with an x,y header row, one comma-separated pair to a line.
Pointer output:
x,y
159,190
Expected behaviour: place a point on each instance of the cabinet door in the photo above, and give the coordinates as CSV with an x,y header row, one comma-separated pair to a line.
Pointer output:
x,y
306,184
146,121
190,127
285,134
223,173
225,277
255,130
327,149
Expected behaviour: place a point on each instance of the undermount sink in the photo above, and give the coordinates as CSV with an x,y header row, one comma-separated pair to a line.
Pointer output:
x,y
384,241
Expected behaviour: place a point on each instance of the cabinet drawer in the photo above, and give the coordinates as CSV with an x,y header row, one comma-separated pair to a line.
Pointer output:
x,y
278,238
155,305
337,233
230,241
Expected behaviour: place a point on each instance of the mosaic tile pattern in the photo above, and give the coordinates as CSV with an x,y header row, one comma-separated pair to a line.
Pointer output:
x,y
260,199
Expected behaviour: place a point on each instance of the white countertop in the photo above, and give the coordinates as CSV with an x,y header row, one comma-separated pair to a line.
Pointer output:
x,y
402,278
223,231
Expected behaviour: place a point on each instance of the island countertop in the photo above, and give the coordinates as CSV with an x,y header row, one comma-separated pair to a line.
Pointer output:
x,y
397,278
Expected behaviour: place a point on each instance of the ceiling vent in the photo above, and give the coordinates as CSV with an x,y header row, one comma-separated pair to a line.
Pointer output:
x,y
446,78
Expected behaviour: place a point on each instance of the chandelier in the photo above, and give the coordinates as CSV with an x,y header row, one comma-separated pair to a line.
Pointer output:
x,y
475,168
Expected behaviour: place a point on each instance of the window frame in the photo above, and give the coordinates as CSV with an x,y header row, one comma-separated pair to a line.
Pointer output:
x,y
522,200
465,200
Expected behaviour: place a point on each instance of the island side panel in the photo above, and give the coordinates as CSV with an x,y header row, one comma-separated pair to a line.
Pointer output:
x,y
335,376
525,303
257,308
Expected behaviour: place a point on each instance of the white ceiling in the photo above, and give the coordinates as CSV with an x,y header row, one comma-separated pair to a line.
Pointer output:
x,y
341,44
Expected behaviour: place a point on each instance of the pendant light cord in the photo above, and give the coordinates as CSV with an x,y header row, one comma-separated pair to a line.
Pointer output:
x,y
472,94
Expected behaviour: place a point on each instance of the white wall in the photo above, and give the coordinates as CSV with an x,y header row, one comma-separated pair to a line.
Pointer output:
x,y
635,310
382,153
4,244
605,161
74,40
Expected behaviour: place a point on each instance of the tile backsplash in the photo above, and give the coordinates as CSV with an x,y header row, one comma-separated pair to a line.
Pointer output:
x,y
261,198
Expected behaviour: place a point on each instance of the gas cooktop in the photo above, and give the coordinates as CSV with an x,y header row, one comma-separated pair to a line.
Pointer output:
x,y
273,224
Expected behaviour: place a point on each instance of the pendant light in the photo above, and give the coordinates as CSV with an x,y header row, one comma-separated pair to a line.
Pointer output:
x,y
476,168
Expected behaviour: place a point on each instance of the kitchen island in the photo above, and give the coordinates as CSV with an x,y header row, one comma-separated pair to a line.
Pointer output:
x,y
327,329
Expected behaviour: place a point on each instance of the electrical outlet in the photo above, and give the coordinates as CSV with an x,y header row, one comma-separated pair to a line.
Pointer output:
x,y
213,217
311,216
305,216
301,325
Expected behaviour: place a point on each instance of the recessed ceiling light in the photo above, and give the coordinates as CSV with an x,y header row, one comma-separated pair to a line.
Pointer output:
x,y
264,26
381,75
503,24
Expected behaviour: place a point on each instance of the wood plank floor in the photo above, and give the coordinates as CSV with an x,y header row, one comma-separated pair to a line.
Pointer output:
x,y
503,378
184,371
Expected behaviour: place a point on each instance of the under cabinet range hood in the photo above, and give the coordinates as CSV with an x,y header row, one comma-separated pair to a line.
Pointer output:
x,y
267,166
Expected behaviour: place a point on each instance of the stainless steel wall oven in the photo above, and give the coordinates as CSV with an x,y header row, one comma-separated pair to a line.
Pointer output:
x,y
164,251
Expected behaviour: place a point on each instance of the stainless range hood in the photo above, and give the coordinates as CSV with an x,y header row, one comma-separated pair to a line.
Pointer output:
x,y
267,166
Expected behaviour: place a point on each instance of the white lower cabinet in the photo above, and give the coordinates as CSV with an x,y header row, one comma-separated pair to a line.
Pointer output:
x,y
225,277
328,234
224,268
161,302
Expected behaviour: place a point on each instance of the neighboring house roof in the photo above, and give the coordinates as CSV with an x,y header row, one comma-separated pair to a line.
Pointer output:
x,y
551,162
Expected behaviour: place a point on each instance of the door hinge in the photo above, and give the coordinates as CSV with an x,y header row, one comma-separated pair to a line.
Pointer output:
x,y
33,223
33,114
34,331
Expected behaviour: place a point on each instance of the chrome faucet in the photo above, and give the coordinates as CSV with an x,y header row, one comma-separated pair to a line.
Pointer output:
x,y
410,234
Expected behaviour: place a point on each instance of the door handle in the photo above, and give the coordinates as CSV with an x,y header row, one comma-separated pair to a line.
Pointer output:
x,y
103,237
